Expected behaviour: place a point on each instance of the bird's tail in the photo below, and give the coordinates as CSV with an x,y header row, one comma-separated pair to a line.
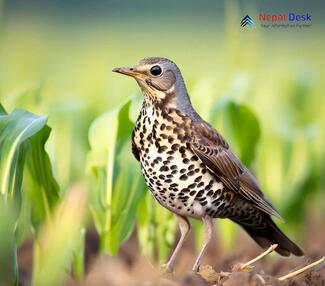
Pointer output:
x,y
269,234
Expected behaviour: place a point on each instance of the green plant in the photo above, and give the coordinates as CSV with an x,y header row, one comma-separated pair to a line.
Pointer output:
x,y
117,178
28,189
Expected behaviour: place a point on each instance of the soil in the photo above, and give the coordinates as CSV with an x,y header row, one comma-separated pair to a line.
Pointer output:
x,y
219,267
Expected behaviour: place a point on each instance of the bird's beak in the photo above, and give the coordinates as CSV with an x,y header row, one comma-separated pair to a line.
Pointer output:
x,y
130,71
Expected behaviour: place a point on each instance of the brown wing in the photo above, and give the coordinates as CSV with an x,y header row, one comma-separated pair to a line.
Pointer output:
x,y
217,156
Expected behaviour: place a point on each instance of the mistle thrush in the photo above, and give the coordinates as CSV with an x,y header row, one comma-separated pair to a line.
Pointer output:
x,y
190,168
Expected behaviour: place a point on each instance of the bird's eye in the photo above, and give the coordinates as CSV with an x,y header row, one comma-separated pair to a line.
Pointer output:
x,y
155,70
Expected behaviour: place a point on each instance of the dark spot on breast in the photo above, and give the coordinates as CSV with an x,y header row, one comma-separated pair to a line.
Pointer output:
x,y
163,169
175,147
190,173
194,158
192,193
182,150
173,167
169,118
191,167
200,194
183,177
200,185
207,187
186,160
192,186
161,149
216,194
162,126
182,171
174,185
185,190
176,130
198,179
216,202
210,193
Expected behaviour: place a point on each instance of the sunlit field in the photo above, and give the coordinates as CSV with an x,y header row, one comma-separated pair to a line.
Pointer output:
x,y
83,195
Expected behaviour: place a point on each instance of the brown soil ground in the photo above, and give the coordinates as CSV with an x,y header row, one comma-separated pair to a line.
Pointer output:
x,y
130,269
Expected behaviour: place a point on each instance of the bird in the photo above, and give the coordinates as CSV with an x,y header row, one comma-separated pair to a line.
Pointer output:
x,y
189,167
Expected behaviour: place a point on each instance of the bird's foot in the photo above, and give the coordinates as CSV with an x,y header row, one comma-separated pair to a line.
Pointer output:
x,y
247,267
166,268
196,267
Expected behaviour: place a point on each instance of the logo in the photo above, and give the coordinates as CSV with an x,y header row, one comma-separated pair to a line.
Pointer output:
x,y
284,17
247,20
278,20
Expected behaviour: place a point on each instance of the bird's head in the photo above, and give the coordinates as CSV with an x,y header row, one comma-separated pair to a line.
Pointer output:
x,y
160,80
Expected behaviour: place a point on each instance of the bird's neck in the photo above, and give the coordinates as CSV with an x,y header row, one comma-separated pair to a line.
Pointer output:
x,y
172,99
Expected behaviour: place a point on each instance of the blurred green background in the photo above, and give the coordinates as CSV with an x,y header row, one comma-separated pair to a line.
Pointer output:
x,y
262,88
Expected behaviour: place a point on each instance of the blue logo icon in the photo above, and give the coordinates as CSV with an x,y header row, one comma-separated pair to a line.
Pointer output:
x,y
247,20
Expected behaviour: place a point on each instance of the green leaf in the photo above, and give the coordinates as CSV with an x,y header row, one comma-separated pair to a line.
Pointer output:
x,y
41,189
298,199
8,255
240,127
22,155
118,180
245,128
15,128
2,110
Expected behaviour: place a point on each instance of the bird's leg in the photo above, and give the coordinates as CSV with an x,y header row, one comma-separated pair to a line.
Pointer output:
x,y
185,227
208,233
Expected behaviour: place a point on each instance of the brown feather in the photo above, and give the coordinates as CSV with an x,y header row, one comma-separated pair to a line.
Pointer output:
x,y
226,165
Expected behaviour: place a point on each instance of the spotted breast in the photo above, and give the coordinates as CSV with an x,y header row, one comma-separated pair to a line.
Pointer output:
x,y
174,174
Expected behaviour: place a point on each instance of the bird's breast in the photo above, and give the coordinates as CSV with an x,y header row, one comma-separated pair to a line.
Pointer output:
x,y
174,174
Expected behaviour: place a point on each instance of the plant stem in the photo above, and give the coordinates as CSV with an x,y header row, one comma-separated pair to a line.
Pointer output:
x,y
78,263
270,249
303,269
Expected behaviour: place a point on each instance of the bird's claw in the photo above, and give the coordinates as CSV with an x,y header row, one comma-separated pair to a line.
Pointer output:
x,y
166,269
196,268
